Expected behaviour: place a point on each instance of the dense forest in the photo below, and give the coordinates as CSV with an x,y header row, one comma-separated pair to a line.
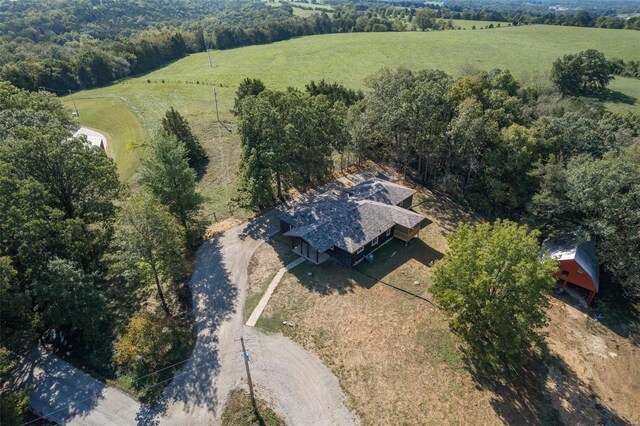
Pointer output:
x,y
62,46
537,156
86,269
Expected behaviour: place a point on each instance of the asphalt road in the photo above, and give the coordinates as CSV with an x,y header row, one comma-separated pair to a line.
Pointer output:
x,y
294,381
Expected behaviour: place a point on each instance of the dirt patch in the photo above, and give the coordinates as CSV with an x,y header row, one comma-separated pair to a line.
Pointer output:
x,y
238,411
606,363
221,227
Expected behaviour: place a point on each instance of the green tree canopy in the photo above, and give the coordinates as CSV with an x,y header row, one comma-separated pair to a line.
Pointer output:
x,y
20,110
496,284
247,87
581,73
148,244
166,171
425,18
72,308
605,195
287,140
176,125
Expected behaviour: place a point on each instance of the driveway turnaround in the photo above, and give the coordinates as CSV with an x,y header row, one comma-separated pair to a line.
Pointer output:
x,y
295,382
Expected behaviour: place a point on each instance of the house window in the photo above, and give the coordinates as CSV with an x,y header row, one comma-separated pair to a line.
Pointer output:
x,y
374,242
360,250
565,273
388,232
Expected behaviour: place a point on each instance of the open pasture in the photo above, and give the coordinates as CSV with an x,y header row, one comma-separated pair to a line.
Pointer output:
x,y
188,84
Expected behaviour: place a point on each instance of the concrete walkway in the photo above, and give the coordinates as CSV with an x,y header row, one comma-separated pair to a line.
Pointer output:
x,y
255,315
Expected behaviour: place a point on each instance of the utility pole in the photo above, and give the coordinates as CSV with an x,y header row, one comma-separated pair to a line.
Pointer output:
x,y
215,98
209,53
74,103
245,357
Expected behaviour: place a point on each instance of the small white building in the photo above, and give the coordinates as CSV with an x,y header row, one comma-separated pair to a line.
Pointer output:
x,y
93,137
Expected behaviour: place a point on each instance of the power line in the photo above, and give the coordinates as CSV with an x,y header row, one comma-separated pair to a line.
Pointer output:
x,y
136,380
417,296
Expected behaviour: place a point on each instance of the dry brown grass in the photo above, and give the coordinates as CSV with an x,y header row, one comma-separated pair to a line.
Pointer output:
x,y
399,363
221,227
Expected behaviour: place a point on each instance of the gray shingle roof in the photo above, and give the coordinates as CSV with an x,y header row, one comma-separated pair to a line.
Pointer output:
x,y
353,218
382,191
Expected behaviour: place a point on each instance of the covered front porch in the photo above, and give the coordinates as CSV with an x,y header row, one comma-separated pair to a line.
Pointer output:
x,y
302,248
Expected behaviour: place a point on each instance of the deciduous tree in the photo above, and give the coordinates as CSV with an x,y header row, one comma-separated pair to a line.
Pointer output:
x,y
70,305
582,73
495,284
149,243
605,195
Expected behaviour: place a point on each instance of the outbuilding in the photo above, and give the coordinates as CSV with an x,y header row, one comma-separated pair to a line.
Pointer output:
x,y
578,264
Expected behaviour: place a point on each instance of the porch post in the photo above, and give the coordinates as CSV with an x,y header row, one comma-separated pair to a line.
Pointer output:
x,y
316,256
307,250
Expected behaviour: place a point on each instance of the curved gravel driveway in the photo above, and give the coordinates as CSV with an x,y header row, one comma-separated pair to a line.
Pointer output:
x,y
295,382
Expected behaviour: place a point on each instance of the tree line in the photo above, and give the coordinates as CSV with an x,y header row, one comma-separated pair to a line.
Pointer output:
x,y
88,269
531,155
64,46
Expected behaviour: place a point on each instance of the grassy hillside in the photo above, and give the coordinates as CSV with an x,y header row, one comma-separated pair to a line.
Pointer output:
x,y
348,58
345,58
119,124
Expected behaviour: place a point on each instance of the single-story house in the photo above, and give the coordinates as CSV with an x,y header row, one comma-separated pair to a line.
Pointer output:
x,y
350,225
577,264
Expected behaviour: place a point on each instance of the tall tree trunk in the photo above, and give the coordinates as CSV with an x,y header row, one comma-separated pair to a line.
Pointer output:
x,y
160,293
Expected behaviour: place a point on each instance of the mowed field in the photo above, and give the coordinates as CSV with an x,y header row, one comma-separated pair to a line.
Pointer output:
x,y
188,84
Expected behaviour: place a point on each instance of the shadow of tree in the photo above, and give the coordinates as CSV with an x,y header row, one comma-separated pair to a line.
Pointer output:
x,y
614,96
54,383
543,391
262,227
200,168
447,212
616,312
213,302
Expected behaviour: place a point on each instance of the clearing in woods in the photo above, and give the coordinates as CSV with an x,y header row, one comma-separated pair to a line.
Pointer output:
x,y
396,357
188,84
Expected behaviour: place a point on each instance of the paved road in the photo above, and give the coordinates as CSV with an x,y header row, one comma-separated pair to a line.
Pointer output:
x,y
295,381
66,395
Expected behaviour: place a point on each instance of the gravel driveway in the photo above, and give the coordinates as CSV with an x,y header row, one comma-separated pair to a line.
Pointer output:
x,y
294,381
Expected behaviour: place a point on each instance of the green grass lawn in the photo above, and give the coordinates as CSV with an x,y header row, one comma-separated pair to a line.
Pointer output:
x,y
468,24
112,117
346,58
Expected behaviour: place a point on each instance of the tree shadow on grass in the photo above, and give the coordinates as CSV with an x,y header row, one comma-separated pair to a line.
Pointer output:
x,y
214,297
616,97
200,168
543,391
615,311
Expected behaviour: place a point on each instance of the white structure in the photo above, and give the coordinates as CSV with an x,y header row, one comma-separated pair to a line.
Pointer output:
x,y
93,137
